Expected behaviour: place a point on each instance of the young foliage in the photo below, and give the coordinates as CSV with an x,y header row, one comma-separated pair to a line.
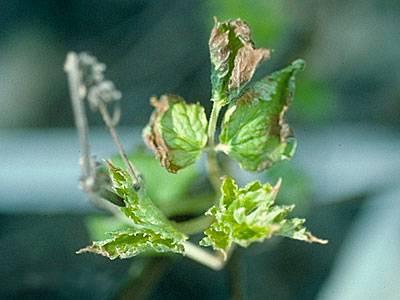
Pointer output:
x,y
165,189
249,214
150,230
176,132
254,131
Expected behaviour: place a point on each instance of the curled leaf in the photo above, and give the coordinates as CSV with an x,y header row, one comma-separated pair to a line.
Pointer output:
x,y
254,131
246,61
132,242
176,132
150,230
233,57
247,215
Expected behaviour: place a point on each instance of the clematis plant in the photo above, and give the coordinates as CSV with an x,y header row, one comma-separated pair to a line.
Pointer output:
x,y
253,133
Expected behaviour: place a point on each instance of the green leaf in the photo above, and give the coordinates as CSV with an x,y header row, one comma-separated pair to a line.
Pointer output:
x,y
131,242
150,228
99,226
165,189
233,57
254,131
249,214
176,132
184,193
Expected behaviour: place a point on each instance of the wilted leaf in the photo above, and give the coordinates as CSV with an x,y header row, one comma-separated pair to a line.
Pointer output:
x,y
254,131
233,57
176,132
249,214
152,231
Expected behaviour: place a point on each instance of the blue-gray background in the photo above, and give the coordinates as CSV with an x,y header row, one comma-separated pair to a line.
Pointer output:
x,y
346,116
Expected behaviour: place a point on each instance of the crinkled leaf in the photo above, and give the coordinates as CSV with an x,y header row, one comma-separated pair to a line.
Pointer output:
x,y
254,131
131,242
152,231
249,214
174,194
164,188
176,132
233,57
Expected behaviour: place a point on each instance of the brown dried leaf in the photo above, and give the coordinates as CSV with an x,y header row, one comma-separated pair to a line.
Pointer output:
x,y
234,58
246,62
152,135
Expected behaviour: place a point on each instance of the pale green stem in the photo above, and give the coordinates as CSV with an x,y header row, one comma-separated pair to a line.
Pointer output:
x,y
214,261
212,162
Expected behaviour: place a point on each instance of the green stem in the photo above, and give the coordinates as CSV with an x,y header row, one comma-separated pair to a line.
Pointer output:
x,y
212,162
234,278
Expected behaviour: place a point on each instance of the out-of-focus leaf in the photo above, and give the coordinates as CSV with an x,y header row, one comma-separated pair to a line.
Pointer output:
x,y
176,132
99,226
152,231
163,188
249,214
233,57
254,131
183,193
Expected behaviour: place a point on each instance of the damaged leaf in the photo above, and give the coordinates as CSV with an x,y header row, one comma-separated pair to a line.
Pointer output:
x,y
132,242
150,229
254,131
176,132
234,58
247,215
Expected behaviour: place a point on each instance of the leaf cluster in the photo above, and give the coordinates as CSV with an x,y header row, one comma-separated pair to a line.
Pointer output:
x,y
149,229
253,133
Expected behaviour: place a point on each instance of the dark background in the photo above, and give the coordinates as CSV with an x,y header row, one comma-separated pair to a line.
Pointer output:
x,y
346,115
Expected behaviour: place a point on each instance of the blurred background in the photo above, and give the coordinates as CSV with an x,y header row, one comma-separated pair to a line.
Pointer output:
x,y
344,178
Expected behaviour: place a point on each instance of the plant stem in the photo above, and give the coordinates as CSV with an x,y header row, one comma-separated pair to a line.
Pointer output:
x,y
213,261
141,287
212,162
110,125
74,79
234,278
88,175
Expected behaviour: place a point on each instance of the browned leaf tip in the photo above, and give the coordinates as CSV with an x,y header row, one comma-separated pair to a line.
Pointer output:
x,y
152,135
246,62
219,49
242,30
247,58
